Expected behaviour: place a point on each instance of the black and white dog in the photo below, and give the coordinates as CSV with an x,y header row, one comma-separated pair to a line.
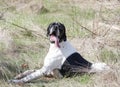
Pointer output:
x,y
62,59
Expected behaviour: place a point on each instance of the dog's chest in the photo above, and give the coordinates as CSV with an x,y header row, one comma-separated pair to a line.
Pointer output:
x,y
56,56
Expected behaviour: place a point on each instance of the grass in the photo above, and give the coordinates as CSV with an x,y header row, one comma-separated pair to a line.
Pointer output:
x,y
107,55
29,46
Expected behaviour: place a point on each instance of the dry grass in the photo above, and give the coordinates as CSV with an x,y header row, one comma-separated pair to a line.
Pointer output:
x,y
93,27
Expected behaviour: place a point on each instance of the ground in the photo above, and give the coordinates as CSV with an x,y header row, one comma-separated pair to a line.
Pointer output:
x,y
93,28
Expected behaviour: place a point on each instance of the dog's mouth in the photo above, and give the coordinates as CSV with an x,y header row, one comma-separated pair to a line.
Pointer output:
x,y
55,40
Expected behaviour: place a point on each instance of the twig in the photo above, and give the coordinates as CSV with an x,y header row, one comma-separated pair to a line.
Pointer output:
x,y
3,19
26,29
84,27
73,18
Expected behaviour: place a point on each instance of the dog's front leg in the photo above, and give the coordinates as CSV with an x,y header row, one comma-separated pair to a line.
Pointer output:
x,y
36,74
24,74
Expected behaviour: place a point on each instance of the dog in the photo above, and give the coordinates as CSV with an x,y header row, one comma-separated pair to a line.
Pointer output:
x,y
61,60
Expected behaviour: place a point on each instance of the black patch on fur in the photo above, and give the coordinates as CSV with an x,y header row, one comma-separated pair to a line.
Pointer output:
x,y
75,63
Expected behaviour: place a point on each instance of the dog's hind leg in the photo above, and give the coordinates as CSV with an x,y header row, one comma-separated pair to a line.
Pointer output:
x,y
57,74
54,74
99,67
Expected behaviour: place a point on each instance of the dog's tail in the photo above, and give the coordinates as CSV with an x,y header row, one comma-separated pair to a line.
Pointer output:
x,y
99,67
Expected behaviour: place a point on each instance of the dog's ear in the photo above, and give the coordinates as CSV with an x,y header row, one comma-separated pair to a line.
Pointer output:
x,y
48,29
63,37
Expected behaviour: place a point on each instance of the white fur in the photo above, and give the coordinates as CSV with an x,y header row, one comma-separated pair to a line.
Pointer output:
x,y
56,56
99,67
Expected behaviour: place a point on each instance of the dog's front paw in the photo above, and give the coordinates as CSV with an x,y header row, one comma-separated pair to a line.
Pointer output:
x,y
19,82
99,67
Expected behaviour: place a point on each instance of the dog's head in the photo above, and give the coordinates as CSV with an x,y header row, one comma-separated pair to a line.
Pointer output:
x,y
56,32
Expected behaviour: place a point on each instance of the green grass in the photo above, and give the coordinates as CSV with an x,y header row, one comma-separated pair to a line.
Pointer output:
x,y
84,79
107,55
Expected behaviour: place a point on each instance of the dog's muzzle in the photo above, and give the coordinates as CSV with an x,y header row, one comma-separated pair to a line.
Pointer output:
x,y
55,40
54,35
